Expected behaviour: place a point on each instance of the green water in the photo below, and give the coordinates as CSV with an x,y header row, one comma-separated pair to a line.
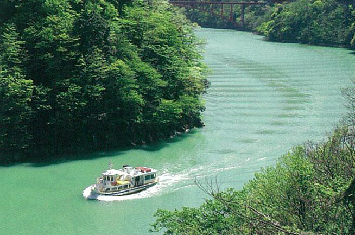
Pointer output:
x,y
264,98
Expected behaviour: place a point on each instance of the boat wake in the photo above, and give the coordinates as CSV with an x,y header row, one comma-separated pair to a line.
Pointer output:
x,y
166,181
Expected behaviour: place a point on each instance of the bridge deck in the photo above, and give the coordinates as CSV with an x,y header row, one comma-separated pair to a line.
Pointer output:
x,y
211,7
217,3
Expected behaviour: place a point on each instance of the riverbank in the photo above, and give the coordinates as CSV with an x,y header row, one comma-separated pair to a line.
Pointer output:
x,y
321,22
311,181
83,76
260,93
309,191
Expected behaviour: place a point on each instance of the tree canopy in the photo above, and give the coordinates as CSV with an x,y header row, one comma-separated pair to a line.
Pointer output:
x,y
309,191
94,74
326,22
318,22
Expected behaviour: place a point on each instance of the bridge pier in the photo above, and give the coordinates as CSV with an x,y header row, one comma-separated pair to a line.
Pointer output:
x,y
242,15
231,13
210,7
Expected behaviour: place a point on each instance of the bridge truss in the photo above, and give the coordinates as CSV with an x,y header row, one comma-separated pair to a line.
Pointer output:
x,y
223,10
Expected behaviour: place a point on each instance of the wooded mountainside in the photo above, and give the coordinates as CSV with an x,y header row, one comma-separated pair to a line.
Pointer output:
x,y
318,22
94,74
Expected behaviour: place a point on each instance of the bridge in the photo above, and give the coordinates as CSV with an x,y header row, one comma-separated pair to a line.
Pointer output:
x,y
223,10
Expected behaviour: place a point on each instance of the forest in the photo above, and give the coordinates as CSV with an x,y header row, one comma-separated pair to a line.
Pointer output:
x,y
85,75
320,22
317,22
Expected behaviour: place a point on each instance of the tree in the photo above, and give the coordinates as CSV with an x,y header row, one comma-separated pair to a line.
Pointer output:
x,y
309,191
349,94
15,95
99,73
324,22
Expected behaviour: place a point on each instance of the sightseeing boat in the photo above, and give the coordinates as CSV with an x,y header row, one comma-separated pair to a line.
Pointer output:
x,y
123,181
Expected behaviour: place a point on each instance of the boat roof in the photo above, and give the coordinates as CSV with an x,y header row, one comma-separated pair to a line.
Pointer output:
x,y
113,172
122,172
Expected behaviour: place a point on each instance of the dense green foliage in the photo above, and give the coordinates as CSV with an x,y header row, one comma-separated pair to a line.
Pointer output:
x,y
327,22
319,22
311,189
94,74
206,19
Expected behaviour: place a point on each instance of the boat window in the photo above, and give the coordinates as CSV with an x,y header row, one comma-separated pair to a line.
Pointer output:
x,y
153,176
147,177
108,189
138,178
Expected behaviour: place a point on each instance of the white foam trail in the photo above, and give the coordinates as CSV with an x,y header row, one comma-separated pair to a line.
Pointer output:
x,y
166,181
187,186
210,170
226,168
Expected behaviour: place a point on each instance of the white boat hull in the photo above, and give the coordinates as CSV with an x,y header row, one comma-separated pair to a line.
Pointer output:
x,y
120,182
94,194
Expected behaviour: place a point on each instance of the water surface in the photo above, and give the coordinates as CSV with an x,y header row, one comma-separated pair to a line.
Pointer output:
x,y
264,98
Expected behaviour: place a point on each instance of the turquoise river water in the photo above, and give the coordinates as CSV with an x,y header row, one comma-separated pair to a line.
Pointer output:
x,y
264,99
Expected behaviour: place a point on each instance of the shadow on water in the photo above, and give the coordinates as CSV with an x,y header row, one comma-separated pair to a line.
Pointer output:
x,y
63,158
152,147
351,51
78,156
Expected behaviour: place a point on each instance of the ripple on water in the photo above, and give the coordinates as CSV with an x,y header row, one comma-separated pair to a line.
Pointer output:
x,y
264,98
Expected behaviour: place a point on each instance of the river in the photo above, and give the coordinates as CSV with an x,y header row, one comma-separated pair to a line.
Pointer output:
x,y
264,98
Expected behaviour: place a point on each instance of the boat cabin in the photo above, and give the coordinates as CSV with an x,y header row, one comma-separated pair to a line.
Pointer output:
x,y
117,180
